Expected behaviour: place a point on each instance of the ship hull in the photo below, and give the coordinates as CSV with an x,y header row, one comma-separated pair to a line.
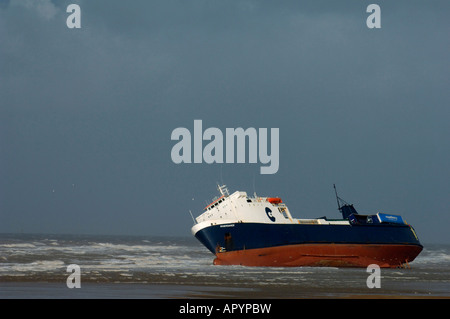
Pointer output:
x,y
322,255
260,244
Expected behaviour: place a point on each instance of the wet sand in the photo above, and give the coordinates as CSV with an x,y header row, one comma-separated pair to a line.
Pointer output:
x,y
36,290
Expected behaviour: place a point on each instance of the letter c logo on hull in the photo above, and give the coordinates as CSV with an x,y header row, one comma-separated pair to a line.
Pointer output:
x,y
269,214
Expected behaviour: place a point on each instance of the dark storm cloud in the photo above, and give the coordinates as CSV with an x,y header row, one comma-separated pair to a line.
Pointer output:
x,y
86,115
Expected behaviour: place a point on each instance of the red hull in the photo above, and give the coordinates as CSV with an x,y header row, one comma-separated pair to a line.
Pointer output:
x,y
332,255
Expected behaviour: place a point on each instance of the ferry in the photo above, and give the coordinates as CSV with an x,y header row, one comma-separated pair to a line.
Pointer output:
x,y
260,231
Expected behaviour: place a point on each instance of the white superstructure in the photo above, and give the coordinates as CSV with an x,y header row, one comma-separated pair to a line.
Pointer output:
x,y
241,208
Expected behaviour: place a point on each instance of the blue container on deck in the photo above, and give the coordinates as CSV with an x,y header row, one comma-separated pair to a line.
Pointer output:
x,y
388,218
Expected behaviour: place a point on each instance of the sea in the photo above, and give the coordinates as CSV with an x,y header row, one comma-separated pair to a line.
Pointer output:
x,y
40,266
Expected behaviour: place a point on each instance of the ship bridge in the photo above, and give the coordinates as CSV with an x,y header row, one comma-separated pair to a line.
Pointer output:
x,y
239,207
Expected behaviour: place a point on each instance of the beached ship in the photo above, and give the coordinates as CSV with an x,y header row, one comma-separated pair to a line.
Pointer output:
x,y
260,231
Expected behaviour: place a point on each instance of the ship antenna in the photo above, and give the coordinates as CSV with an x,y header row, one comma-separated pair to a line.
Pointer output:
x,y
195,222
254,187
221,175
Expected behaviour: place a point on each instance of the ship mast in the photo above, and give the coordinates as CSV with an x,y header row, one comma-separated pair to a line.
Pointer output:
x,y
223,190
337,198
346,209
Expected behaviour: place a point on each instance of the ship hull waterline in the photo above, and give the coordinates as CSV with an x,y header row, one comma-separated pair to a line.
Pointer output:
x,y
325,255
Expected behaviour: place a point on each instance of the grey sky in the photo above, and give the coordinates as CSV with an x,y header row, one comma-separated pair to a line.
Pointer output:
x,y
86,115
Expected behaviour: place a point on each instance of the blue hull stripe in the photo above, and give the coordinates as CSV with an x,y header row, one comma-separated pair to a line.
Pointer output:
x,y
258,235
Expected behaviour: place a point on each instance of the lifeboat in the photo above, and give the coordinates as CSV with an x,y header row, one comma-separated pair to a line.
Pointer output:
x,y
274,200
